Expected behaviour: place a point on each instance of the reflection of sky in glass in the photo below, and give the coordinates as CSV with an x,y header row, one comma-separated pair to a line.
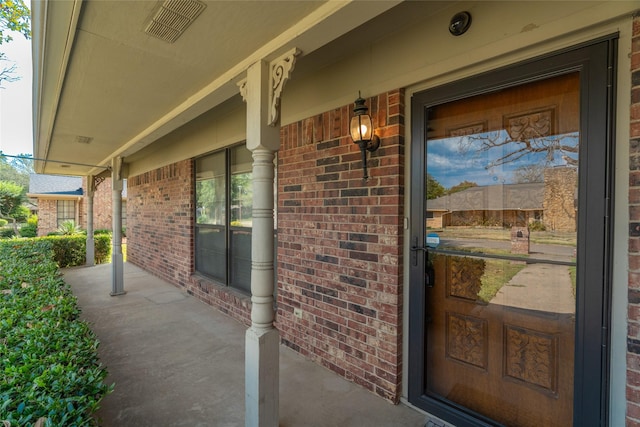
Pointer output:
x,y
456,159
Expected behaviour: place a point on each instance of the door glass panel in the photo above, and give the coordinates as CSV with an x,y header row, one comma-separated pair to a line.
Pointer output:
x,y
501,216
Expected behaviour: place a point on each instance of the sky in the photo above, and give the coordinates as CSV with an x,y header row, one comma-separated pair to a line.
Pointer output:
x,y
456,159
16,135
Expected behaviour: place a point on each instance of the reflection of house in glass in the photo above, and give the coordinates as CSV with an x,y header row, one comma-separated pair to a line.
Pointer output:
x,y
552,202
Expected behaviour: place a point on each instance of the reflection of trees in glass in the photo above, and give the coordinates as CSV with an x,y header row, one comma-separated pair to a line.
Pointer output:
x,y
210,201
552,148
434,188
461,186
241,199
529,173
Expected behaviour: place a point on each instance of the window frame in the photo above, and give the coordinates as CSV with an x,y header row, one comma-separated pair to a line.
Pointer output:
x,y
65,208
228,277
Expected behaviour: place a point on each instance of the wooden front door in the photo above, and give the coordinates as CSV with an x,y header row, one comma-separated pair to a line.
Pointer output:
x,y
503,238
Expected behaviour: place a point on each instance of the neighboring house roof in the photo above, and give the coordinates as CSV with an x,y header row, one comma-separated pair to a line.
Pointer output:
x,y
55,184
42,184
528,196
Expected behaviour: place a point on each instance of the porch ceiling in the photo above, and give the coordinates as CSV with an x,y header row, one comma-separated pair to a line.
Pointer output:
x,y
103,87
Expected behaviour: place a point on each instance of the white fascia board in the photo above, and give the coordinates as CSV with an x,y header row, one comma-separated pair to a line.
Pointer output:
x,y
54,25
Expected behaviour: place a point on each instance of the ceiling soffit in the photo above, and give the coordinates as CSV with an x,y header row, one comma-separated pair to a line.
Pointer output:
x,y
124,88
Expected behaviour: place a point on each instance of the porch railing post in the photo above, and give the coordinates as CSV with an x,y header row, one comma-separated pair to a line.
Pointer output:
x,y
90,247
262,340
117,266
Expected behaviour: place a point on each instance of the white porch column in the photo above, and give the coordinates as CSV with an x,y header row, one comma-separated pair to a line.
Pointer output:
x,y
90,241
262,339
117,267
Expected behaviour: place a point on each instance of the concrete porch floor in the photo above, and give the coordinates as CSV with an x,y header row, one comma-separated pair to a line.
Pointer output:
x,y
176,361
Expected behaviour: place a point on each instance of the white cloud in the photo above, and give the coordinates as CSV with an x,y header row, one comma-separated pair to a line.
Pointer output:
x,y
16,135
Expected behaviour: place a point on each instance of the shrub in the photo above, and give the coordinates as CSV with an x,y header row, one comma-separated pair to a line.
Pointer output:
x,y
28,231
102,248
69,228
49,369
537,226
33,220
6,233
101,231
69,251
3,222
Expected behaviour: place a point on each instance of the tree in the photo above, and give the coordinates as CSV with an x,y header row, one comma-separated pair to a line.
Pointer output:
x,y
529,173
16,170
14,17
517,147
434,188
11,208
461,187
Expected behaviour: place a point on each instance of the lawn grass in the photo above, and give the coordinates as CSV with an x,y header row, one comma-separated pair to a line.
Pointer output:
x,y
497,273
503,234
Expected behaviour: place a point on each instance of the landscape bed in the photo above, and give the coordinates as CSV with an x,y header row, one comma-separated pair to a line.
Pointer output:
x,y
50,374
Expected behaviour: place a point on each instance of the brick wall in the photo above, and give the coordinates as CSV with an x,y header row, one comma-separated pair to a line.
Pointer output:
x,y
633,339
160,236
160,222
102,206
340,245
102,210
47,216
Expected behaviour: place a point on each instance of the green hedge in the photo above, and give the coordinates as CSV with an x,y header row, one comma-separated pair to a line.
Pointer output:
x,y
69,251
49,369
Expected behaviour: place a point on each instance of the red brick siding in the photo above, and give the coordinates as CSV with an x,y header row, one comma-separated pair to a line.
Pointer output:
x,y
102,206
160,236
160,222
633,338
340,245
47,216
229,301
102,209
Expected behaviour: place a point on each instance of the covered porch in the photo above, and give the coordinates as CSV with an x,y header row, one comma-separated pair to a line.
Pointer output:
x,y
176,361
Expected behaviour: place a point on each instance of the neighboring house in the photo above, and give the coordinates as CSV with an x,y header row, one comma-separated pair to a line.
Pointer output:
x,y
493,205
507,205
207,120
62,198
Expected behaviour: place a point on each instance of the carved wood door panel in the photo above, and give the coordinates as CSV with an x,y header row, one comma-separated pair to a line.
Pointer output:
x,y
513,365
502,180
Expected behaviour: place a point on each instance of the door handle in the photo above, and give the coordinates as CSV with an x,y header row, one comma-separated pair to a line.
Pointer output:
x,y
414,254
429,274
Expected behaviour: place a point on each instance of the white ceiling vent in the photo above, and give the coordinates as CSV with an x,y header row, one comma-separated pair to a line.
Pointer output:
x,y
172,18
83,139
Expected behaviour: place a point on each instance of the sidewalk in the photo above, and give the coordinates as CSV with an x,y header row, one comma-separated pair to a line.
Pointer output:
x,y
176,361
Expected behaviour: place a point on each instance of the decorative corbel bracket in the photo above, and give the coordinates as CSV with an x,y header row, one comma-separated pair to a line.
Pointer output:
x,y
97,180
242,85
280,70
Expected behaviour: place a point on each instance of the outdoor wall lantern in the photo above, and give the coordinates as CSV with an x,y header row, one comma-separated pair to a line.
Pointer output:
x,y
362,132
